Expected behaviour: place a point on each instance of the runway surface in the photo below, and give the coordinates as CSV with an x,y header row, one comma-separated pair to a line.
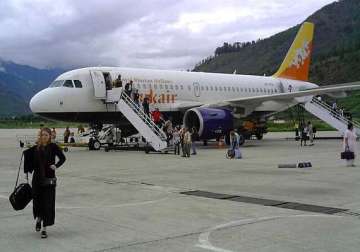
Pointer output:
x,y
132,201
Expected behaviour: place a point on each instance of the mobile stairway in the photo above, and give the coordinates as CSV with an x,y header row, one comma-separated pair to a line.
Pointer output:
x,y
154,136
324,112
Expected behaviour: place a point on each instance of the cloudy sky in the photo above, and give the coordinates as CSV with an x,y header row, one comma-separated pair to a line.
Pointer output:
x,y
166,34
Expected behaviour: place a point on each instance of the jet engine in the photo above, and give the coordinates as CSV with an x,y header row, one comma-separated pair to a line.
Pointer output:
x,y
209,122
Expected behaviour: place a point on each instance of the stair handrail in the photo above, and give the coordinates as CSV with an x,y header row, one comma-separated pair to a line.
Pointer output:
x,y
335,113
159,132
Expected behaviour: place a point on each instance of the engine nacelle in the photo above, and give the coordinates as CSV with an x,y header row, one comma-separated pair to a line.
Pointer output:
x,y
209,122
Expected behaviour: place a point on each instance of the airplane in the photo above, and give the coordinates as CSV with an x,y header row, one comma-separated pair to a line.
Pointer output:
x,y
213,103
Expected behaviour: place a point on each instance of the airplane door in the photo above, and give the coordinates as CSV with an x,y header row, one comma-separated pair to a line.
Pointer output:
x,y
196,89
99,84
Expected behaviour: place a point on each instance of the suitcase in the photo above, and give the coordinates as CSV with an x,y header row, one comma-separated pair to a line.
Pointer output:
x,y
347,155
237,154
22,194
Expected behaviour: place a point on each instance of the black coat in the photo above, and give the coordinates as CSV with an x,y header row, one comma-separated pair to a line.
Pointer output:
x,y
32,159
38,161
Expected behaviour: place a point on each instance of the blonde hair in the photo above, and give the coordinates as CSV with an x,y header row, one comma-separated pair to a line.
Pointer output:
x,y
47,130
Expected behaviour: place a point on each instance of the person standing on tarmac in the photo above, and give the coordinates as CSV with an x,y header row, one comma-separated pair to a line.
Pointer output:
x,y
194,138
187,142
176,140
66,135
44,180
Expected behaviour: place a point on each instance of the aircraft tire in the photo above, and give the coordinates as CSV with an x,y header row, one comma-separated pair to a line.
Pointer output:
x,y
96,145
259,136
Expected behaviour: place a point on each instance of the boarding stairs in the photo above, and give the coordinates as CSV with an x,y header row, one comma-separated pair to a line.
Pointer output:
x,y
141,121
324,112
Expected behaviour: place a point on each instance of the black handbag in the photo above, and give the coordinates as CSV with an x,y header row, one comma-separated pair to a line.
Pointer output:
x,y
22,193
347,154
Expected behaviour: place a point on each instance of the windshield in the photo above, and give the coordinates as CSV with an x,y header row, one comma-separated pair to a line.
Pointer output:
x,y
57,83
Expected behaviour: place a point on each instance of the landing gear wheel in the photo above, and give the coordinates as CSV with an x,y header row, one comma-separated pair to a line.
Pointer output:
x,y
96,145
66,149
91,144
147,149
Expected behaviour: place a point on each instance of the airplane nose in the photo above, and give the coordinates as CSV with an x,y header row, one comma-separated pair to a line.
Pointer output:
x,y
41,101
34,103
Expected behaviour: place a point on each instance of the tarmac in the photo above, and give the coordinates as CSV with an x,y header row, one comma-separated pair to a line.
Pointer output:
x,y
132,201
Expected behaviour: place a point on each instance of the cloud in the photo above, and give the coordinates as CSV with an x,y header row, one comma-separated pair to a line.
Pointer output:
x,y
154,34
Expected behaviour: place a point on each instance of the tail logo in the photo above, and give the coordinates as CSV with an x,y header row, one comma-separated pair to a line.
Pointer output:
x,y
301,55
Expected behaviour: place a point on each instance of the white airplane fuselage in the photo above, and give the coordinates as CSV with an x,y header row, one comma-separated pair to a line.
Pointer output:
x,y
170,91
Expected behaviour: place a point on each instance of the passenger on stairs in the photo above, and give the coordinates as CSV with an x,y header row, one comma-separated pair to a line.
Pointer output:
x,y
136,97
157,117
146,107
128,88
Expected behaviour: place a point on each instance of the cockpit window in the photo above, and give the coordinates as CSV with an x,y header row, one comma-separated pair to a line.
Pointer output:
x,y
57,83
77,84
68,83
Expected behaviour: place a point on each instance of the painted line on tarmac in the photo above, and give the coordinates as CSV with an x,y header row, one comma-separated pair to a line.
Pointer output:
x,y
204,238
114,206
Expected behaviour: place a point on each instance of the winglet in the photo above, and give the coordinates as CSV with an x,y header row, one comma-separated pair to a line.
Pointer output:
x,y
297,61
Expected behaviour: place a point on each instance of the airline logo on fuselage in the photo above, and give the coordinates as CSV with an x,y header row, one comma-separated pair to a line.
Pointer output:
x,y
158,98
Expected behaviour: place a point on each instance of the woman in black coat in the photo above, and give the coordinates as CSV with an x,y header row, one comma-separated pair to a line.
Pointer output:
x,y
44,180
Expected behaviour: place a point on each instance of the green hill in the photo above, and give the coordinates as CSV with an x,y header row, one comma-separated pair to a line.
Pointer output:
x,y
336,54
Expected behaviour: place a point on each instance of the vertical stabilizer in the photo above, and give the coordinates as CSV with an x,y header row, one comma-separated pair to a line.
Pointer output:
x,y
297,61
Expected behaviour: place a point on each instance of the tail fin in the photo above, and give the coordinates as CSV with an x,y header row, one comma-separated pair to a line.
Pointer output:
x,y
297,61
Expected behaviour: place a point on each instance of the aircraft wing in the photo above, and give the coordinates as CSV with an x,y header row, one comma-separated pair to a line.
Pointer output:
x,y
286,97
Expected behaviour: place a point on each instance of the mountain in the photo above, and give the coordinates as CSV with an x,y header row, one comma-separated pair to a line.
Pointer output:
x,y
336,51
18,83
336,54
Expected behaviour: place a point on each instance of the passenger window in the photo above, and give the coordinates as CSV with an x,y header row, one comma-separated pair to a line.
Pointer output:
x,y
171,87
233,89
241,89
189,88
144,86
161,86
253,89
181,87
77,84
155,86
207,88
237,89
257,90
166,86
176,87
68,83
216,89
211,88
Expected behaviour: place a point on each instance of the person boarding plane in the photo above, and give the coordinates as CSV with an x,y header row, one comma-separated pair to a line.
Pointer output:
x,y
213,103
